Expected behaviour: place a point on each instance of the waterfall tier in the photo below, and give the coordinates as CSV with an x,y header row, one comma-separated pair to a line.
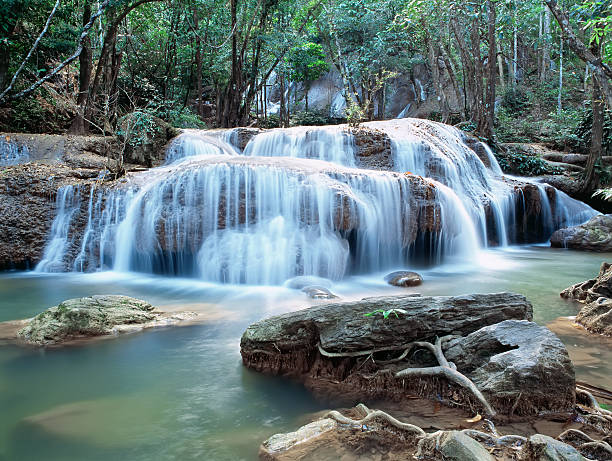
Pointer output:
x,y
300,202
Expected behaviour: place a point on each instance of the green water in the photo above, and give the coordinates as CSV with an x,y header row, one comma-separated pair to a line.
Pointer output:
x,y
181,393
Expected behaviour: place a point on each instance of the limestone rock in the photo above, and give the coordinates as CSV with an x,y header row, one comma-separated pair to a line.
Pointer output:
x,y
596,317
84,317
318,292
456,446
591,290
404,279
520,367
344,326
279,443
544,448
594,235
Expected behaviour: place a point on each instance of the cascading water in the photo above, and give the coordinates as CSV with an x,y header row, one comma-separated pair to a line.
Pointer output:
x,y
12,154
294,204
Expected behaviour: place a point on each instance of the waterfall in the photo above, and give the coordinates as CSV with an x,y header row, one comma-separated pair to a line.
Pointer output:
x,y
322,143
67,203
12,154
294,203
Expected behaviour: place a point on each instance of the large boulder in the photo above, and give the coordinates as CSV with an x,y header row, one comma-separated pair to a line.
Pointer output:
x,y
96,315
144,137
594,235
327,347
518,365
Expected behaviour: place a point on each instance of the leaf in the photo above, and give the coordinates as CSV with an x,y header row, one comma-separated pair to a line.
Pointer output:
x,y
475,419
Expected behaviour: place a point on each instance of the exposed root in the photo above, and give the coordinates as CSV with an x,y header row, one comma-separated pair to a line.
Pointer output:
x,y
445,369
587,446
489,439
592,402
375,415
451,375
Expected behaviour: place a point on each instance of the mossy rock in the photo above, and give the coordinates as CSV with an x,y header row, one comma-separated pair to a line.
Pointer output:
x,y
85,317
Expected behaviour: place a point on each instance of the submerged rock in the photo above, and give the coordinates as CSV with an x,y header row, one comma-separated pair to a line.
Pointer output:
x,y
404,279
96,315
594,235
518,365
318,292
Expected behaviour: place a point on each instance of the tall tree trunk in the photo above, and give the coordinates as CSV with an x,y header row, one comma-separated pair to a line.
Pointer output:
x,y
198,59
489,132
85,65
500,65
545,45
450,68
559,107
435,74
591,177
479,114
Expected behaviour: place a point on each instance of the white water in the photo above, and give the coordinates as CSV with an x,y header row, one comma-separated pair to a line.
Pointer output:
x,y
294,204
12,154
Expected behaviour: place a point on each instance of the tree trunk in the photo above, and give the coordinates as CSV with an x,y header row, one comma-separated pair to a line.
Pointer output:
x,y
450,68
198,59
545,45
559,107
489,128
591,177
85,64
500,65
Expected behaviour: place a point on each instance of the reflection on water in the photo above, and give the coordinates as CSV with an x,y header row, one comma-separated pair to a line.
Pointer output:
x,y
181,393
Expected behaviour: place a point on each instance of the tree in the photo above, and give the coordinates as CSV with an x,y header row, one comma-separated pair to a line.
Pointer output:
x,y
306,63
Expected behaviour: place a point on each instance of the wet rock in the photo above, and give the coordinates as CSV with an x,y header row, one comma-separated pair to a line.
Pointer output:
x,y
594,235
343,326
404,279
544,448
302,281
280,443
596,317
372,148
456,446
96,315
591,290
521,367
318,292
324,346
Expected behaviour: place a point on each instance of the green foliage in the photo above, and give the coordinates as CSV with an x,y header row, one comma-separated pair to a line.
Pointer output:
x,y
138,128
312,118
355,113
385,313
525,165
273,121
605,194
306,62
515,99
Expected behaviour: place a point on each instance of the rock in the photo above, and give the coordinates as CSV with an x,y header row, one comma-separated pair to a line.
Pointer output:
x,y
596,317
456,446
344,327
96,315
404,279
519,366
299,344
593,289
302,281
318,292
594,235
279,443
544,448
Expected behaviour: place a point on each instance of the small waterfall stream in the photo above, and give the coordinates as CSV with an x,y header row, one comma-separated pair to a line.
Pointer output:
x,y
295,203
13,154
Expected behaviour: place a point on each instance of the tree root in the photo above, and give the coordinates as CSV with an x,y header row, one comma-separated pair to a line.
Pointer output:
x,y
451,375
445,369
375,415
586,445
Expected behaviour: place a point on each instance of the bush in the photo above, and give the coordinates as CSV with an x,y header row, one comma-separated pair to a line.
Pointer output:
x,y
525,165
273,121
515,99
312,118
